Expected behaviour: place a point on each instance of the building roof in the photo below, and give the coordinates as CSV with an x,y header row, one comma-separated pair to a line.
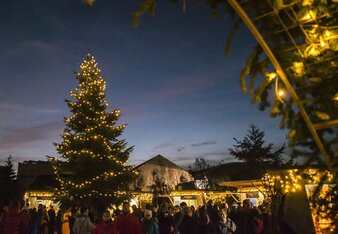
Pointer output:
x,y
43,183
34,168
241,184
161,161
235,171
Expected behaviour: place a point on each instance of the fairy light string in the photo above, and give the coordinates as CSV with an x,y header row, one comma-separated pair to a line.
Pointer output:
x,y
92,162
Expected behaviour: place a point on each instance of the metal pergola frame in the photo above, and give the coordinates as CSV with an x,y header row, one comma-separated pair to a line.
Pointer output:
x,y
313,127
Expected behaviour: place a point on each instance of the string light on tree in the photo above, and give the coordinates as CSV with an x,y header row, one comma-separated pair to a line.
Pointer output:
x,y
283,183
91,169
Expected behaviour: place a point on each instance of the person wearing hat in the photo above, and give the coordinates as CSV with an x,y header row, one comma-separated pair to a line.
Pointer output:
x,y
149,225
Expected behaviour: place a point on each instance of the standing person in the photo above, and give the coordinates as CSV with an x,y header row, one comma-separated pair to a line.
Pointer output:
x,y
138,212
265,216
233,210
71,219
82,224
224,224
128,223
5,205
258,224
24,224
45,220
40,216
205,224
154,212
106,226
149,225
117,212
58,221
33,221
188,225
11,219
65,222
178,217
51,221
244,219
165,221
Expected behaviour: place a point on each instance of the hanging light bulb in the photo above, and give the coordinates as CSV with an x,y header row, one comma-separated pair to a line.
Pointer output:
x,y
281,93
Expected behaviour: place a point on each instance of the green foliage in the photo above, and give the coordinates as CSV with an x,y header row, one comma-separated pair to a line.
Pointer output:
x,y
325,202
296,32
9,187
10,171
159,186
199,164
91,168
146,6
252,149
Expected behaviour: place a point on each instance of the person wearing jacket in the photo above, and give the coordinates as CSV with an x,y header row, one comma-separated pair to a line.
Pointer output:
x,y
12,222
126,222
224,224
106,226
149,225
82,224
188,225
205,224
165,221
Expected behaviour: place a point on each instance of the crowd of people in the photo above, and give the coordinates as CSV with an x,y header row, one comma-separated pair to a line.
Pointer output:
x,y
165,219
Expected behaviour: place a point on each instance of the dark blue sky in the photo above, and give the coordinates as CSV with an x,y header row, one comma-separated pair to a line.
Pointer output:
x,y
177,91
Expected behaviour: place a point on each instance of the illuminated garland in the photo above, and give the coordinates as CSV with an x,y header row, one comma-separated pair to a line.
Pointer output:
x,y
91,134
283,183
315,176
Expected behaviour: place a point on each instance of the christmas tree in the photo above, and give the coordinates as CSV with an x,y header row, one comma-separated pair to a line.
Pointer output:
x,y
91,169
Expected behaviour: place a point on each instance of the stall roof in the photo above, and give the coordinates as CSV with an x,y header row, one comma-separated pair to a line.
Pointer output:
x,y
241,183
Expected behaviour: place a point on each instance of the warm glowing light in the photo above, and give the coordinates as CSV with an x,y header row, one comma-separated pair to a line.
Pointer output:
x,y
306,15
327,33
271,75
281,93
307,2
323,43
322,115
312,51
335,97
298,68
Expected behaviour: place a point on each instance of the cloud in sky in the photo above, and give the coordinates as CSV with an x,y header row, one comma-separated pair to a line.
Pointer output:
x,y
171,146
177,87
185,150
180,149
204,143
180,145
7,108
14,138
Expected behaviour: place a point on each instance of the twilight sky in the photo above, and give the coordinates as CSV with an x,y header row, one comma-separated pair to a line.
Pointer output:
x,y
177,91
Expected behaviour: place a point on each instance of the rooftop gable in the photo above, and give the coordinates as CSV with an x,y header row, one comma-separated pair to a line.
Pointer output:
x,y
160,161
